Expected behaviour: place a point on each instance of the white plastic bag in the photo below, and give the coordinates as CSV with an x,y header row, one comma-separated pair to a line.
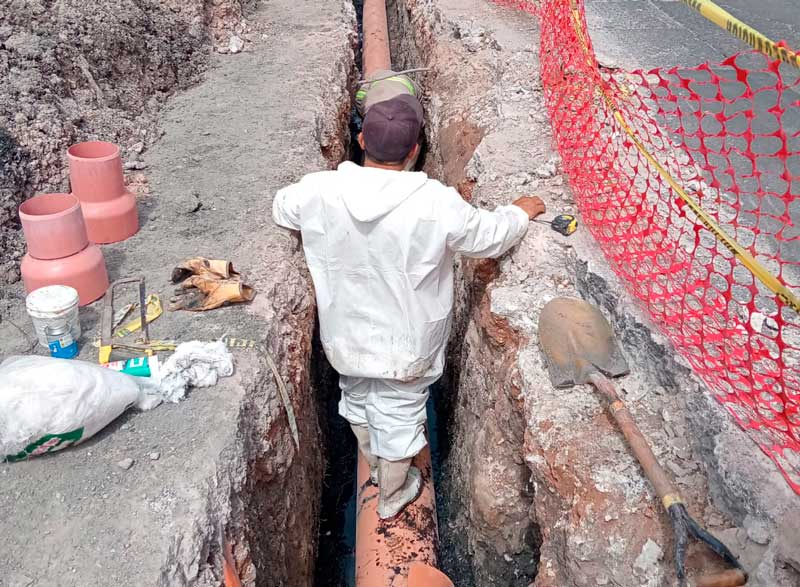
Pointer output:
x,y
48,404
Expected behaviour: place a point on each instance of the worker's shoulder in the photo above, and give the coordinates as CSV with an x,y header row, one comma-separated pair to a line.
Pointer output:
x,y
437,192
319,177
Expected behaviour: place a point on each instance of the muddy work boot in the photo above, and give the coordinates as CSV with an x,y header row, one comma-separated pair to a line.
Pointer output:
x,y
362,436
399,484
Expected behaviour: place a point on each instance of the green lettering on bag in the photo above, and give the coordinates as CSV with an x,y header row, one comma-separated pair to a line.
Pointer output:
x,y
47,443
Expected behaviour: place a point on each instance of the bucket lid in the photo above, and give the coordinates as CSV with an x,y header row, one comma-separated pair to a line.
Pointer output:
x,y
52,298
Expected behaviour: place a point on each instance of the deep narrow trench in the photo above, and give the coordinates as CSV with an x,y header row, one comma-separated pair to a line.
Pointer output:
x,y
335,566
336,540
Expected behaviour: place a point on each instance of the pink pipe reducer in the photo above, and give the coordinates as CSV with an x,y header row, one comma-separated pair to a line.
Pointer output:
x,y
95,175
59,250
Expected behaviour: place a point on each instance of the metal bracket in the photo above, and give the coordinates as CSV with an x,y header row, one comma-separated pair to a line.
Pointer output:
x,y
107,321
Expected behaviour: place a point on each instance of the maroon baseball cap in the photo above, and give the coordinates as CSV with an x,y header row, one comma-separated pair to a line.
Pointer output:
x,y
391,128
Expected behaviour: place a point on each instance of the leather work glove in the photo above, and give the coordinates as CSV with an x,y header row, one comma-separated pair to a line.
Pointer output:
x,y
209,268
198,293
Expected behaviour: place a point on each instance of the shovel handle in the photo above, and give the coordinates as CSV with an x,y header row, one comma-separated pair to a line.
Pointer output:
x,y
729,578
641,449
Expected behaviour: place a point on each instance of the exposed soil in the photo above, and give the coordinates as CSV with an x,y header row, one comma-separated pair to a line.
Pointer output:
x,y
534,485
73,70
539,486
228,464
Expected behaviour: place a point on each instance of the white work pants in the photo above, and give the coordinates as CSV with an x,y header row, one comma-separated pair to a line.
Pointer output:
x,y
394,412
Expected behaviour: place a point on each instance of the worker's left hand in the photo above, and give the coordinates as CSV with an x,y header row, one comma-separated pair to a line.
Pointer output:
x,y
533,206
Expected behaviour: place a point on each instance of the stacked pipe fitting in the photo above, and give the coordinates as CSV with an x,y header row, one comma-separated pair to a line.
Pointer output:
x,y
61,229
95,175
59,251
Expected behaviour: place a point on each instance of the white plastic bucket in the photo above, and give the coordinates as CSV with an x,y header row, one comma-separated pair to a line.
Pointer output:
x,y
53,305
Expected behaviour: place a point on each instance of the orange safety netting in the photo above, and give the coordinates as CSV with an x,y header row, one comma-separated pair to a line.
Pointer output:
x,y
729,134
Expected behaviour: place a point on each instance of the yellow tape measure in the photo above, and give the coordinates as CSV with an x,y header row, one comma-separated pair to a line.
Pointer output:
x,y
565,224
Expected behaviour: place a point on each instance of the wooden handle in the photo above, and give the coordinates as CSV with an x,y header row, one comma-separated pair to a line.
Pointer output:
x,y
641,449
729,578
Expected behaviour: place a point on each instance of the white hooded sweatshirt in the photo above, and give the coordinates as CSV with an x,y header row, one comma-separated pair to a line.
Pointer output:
x,y
380,247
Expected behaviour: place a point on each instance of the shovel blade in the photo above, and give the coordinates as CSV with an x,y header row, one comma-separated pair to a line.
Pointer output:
x,y
577,340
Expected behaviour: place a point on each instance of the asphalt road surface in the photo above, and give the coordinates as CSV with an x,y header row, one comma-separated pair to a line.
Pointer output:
x,y
662,33
645,34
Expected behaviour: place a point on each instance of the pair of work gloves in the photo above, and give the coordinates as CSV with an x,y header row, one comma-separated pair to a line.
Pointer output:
x,y
206,284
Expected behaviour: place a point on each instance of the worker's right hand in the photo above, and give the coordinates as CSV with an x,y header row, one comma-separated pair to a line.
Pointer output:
x,y
533,206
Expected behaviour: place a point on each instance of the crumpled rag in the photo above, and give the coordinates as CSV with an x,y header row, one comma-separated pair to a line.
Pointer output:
x,y
194,364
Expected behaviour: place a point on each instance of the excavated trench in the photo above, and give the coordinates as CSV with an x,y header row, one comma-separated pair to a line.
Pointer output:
x,y
292,514
508,452
445,154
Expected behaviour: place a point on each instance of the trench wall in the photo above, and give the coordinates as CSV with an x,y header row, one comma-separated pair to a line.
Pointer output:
x,y
545,489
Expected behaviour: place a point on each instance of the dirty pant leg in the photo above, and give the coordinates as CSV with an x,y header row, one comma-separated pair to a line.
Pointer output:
x,y
396,417
353,403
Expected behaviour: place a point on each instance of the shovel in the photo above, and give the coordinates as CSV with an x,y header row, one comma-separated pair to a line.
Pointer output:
x,y
580,348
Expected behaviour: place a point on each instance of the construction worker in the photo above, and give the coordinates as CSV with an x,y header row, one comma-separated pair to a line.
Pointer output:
x,y
380,244
384,85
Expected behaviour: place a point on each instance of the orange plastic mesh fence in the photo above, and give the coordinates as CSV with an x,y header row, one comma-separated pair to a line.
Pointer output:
x,y
729,136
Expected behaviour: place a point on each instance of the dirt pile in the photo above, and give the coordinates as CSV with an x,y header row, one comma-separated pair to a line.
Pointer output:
x,y
73,70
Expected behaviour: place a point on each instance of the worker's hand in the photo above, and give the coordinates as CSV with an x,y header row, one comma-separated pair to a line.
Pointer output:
x,y
533,206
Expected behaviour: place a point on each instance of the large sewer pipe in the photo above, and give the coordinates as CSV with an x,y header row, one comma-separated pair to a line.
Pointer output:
x,y
400,552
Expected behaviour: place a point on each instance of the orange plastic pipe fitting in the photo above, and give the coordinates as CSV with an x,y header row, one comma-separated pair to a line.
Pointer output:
x,y
59,251
400,552
95,174
377,56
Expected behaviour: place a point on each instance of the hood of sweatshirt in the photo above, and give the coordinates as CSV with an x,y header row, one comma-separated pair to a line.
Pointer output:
x,y
370,193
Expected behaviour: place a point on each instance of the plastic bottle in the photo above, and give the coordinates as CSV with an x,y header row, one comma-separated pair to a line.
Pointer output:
x,y
60,341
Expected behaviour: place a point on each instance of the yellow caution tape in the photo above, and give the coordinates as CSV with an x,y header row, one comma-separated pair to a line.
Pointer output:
x,y
746,259
724,19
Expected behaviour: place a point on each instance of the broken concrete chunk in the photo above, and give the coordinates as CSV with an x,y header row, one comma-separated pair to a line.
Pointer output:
x,y
236,44
647,561
125,464
545,171
677,469
758,529
154,456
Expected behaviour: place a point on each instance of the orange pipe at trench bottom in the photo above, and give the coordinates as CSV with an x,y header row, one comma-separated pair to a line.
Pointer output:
x,y
399,552
376,54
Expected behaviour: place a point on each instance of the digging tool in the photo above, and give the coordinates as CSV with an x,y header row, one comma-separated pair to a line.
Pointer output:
x,y
580,348
564,224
